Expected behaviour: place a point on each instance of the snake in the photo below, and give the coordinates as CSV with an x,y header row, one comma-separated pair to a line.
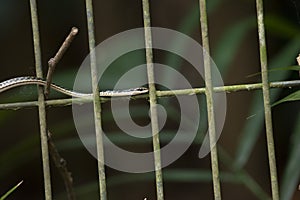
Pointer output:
x,y
31,80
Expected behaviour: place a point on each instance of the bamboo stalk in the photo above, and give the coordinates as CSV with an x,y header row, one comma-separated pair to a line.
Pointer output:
x,y
153,101
209,101
266,98
96,101
41,101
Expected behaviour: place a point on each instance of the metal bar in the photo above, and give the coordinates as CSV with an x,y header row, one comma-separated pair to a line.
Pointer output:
x,y
266,98
194,91
96,100
41,101
153,101
209,101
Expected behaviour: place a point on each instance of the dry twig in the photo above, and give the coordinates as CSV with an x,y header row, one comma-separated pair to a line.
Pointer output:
x,y
61,165
53,61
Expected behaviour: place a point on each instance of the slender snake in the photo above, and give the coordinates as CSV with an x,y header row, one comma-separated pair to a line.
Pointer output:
x,y
29,80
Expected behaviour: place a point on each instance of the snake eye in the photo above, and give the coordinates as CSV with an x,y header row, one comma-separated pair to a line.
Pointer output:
x,y
141,89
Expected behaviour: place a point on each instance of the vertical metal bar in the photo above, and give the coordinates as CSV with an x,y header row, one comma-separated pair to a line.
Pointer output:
x,y
41,101
96,100
153,101
266,97
209,100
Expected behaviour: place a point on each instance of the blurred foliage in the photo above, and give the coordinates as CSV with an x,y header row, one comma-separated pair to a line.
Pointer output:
x,y
224,53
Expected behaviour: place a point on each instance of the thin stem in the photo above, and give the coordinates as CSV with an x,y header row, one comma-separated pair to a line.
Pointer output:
x,y
153,101
266,98
96,100
41,101
210,102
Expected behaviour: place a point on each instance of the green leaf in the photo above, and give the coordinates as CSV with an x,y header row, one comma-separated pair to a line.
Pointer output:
x,y
288,68
292,97
10,191
294,67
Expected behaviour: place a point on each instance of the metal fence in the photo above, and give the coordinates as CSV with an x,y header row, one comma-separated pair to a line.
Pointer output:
x,y
42,103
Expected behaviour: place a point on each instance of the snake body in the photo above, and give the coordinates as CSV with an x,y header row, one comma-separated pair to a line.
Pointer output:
x,y
29,80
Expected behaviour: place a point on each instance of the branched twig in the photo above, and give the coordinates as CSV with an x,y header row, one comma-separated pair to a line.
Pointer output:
x,y
53,61
61,165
